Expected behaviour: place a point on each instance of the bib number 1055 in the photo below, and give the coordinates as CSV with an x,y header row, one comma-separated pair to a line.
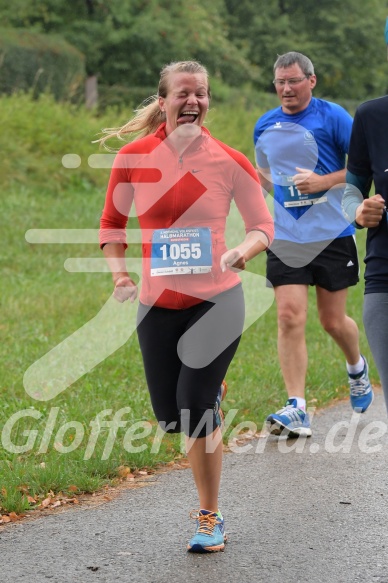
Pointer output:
x,y
182,251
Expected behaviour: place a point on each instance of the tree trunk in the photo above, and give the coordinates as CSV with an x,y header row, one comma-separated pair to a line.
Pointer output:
x,y
91,92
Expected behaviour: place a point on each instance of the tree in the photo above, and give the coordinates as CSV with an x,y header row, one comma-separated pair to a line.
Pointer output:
x,y
128,41
343,39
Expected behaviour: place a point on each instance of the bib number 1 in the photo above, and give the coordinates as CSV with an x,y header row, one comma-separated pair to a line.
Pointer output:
x,y
294,198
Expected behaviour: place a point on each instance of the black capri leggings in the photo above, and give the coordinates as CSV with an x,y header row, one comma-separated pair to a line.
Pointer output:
x,y
186,354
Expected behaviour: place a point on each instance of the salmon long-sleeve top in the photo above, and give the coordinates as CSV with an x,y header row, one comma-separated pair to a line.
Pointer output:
x,y
178,192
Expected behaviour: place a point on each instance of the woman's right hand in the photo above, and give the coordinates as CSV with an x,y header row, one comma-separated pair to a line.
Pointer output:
x,y
125,289
370,211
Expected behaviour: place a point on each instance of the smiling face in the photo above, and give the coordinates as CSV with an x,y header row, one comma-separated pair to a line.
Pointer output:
x,y
297,97
187,100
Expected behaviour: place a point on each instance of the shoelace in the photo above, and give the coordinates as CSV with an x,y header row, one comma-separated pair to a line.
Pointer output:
x,y
291,412
358,387
207,522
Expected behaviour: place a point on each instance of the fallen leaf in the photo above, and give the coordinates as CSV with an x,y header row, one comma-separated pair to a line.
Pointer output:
x,y
72,488
13,517
6,518
46,502
31,500
23,488
184,464
123,471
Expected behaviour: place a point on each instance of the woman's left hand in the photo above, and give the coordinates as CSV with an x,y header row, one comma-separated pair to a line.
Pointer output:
x,y
233,260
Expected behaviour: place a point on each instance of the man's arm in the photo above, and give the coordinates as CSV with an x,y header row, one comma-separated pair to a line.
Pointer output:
x,y
309,182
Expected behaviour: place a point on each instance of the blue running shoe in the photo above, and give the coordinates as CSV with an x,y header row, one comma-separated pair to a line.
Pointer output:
x,y
210,536
361,393
289,421
217,407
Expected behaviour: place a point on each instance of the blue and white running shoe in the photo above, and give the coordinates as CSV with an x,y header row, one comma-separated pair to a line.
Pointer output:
x,y
210,535
361,393
289,421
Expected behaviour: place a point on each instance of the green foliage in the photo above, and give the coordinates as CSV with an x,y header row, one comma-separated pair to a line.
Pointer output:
x,y
335,35
39,62
127,42
37,133
347,62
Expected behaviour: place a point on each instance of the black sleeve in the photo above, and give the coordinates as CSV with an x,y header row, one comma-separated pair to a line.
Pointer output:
x,y
358,158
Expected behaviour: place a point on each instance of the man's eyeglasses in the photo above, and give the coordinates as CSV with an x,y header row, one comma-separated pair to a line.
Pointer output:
x,y
291,82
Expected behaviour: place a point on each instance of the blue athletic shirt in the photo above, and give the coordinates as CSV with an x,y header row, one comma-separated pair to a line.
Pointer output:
x,y
316,138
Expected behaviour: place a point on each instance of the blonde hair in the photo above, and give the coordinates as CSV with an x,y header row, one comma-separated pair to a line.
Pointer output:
x,y
148,117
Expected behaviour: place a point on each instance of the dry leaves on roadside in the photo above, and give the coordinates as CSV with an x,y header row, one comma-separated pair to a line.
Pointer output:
x,y
48,501
51,501
11,517
55,500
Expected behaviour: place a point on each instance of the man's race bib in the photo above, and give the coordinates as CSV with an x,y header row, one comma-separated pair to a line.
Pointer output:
x,y
181,251
293,197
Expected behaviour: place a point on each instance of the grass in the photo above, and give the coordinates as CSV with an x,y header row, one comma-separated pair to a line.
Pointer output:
x,y
67,441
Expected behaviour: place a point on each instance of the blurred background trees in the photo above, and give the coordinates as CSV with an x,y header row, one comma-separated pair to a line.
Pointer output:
x,y
124,43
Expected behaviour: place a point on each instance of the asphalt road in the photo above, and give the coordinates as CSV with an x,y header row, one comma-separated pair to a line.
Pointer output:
x,y
311,511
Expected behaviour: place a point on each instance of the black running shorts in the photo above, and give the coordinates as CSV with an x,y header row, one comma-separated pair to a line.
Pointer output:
x,y
332,265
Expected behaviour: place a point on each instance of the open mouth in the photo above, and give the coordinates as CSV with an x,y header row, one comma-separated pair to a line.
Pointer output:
x,y
188,116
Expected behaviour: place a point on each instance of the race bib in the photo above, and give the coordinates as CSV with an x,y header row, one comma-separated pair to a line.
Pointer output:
x,y
181,251
293,197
